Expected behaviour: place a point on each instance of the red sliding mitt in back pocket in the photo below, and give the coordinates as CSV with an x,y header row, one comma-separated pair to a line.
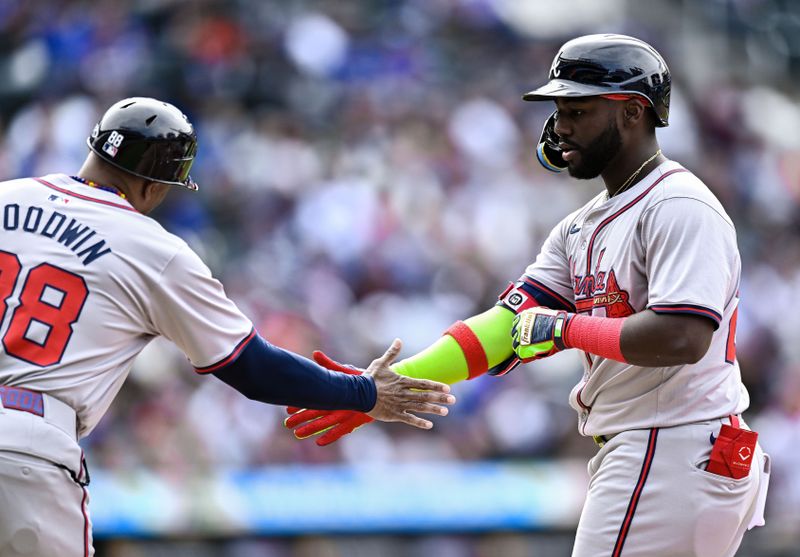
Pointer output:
x,y
733,452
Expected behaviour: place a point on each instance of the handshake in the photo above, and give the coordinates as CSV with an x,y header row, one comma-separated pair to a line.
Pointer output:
x,y
331,425
398,397
536,333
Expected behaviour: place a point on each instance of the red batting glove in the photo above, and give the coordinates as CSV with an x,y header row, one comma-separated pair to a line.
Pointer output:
x,y
330,425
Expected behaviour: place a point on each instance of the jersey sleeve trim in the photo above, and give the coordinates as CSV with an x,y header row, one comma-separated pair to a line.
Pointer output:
x,y
546,297
687,309
230,358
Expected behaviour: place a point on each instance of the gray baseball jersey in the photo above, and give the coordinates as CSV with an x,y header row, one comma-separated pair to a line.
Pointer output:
x,y
88,282
666,245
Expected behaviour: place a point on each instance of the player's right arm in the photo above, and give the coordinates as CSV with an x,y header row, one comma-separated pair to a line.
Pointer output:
x,y
482,343
189,307
468,349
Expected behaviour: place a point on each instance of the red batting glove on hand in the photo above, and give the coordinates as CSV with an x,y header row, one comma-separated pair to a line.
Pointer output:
x,y
330,425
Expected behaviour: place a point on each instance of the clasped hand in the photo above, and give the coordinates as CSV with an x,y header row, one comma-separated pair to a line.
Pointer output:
x,y
398,397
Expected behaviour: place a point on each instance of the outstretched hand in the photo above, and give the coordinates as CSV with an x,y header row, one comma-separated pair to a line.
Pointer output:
x,y
399,397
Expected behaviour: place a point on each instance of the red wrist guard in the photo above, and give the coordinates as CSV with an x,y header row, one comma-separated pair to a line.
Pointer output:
x,y
596,335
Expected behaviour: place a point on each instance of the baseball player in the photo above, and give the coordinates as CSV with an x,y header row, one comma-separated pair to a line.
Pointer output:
x,y
87,280
643,279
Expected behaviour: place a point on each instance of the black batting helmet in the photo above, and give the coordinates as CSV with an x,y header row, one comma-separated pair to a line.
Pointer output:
x,y
603,65
147,138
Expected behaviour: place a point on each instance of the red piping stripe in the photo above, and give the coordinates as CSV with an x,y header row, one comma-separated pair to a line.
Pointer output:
x,y
230,357
618,213
580,401
730,344
637,492
86,543
86,197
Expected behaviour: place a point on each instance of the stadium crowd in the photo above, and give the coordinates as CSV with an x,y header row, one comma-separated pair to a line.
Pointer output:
x,y
366,172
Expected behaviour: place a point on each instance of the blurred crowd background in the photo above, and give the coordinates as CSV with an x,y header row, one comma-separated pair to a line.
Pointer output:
x,y
367,171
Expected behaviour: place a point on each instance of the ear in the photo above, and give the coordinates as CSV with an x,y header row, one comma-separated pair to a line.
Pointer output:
x,y
153,194
150,190
633,111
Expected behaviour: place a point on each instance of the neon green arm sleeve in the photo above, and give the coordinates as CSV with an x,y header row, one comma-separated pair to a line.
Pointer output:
x,y
444,360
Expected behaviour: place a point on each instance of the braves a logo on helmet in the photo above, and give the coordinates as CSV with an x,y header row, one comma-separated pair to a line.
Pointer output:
x,y
555,71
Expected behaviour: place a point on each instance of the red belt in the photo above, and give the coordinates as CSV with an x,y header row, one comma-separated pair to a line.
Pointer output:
x,y
17,398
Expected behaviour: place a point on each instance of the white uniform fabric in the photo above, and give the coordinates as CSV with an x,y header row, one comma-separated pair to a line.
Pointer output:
x,y
87,282
666,245
43,510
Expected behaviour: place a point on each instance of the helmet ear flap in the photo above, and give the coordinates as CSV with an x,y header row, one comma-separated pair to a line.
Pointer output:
x,y
548,152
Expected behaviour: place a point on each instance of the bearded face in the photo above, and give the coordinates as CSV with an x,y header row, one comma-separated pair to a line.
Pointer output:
x,y
592,159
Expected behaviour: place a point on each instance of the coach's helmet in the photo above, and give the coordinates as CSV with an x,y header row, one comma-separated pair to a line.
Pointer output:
x,y
147,138
602,65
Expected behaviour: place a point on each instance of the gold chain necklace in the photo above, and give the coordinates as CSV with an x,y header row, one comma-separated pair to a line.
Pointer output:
x,y
629,182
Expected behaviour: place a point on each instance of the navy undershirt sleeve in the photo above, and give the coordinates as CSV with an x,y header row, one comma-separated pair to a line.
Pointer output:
x,y
539,292
273,375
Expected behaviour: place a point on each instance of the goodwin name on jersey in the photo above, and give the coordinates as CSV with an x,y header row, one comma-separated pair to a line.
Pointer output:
x,y
57,226
74,314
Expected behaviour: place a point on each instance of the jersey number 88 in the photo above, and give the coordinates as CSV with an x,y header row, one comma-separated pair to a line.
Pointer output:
x,y
50,297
